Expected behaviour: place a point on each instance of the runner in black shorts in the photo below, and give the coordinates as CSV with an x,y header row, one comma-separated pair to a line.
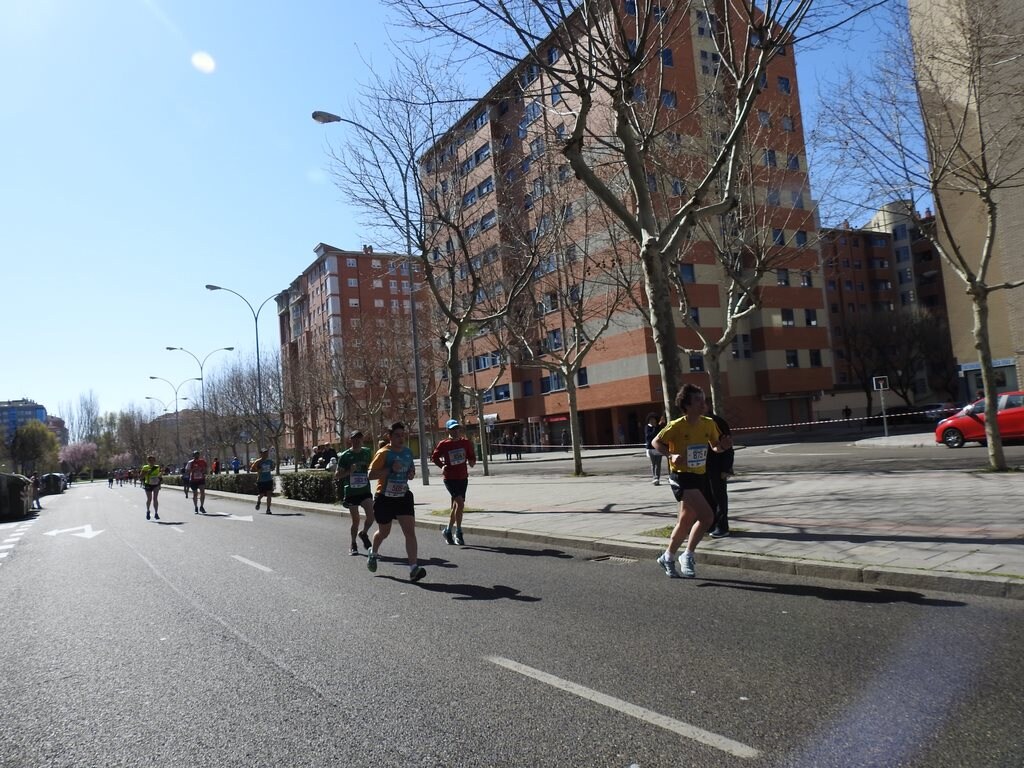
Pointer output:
x,y
354,487
393,467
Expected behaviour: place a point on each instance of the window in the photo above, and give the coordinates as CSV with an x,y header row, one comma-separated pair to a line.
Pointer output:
x,y
782,276
815,355
788,321
783,85
485,187
695,315
528,202
741,346
764,117
639,94
553,55
793,162
666,57
696,361
556,93
375,263
536,147
393,286
353,282
531,73
792,358
769,158
631,7
527,388
798,199
582,379
787,123
560,132
469,198
659,14
778,237
539,187
774,197
350,262
800,238
380,283
353,302
553,339
502,392
669,99
899,232
832,285
811,317
687,273
902,254
480,120
525,165
488,220
568,212
378,303
405,286
807,279
678,187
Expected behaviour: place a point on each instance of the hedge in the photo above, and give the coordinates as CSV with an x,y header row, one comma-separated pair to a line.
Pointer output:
x,y
242,483
318,486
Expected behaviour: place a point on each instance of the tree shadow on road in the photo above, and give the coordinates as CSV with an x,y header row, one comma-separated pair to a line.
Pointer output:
x,y
875,595
471,591
556,553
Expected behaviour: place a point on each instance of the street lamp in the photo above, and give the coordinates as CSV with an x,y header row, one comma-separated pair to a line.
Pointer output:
x,y
259,373
177,417
327,117
202,383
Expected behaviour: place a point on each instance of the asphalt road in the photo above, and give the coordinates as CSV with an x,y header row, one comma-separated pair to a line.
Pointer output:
x,y
249,640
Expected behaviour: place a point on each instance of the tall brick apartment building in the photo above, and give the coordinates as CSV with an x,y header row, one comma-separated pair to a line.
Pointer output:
x,y
346,348
501,164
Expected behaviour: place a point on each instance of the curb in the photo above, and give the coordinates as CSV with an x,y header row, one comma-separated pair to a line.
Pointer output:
x,y
871,575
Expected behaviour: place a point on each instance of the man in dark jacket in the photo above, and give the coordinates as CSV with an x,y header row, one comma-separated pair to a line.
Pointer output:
x,y
719,468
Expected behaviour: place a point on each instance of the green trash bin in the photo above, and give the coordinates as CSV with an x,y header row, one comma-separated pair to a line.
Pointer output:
x,y
15,496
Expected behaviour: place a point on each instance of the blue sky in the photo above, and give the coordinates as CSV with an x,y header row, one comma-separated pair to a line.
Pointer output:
x,y
148,147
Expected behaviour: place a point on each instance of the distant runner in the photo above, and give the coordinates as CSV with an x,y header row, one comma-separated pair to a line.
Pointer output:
x,y
354,487
151,476
196,471
264,465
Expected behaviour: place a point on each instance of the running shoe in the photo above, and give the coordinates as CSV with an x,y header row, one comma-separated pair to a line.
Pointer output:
x,y
718,533
203,510
458,537
655,481
371,562
147,514
366,540
417,573
156,516
446,534
354,550
687,565
669,565
257,505
197,510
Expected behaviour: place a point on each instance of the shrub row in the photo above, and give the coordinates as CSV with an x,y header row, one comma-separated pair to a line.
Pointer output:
x,y
243,483
318,486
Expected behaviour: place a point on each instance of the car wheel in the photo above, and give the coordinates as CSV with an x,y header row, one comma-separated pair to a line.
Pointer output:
x,y
953,438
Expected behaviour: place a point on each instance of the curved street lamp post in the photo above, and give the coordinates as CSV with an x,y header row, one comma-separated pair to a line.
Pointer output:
x,y
177,417
202,384
327,117
259,373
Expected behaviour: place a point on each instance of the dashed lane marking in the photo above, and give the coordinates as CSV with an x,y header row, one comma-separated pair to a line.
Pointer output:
x,y
685,730
264,568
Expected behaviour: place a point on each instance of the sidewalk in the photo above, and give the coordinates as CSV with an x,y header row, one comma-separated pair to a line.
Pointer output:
x,y
953,531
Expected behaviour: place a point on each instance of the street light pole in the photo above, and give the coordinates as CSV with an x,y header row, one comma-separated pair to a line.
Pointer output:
x,y
259,372
166,408
202,385
177,417
327,117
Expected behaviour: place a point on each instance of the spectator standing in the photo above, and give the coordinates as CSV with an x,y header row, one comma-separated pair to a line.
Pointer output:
x,y
36,490
235,464
455,456
651,430
216,466
518,440
720,467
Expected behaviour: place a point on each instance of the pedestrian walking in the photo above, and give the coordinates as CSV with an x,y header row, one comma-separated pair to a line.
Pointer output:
x,y
196,470
152,476
651,430
352,477
264,467
720,467
455,456
393,467
518,440
235,464
36,490
686,441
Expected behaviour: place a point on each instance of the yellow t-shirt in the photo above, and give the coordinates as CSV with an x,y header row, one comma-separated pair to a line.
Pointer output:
x,y
691,442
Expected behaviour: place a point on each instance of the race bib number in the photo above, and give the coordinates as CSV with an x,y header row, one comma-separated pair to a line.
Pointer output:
x,y
457,456
358,480
395,489
696,455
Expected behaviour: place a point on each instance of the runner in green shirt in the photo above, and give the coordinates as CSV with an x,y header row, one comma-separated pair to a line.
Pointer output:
x,y
354,487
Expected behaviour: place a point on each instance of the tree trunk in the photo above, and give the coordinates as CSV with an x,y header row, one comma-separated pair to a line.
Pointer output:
x,y
663,327
712,364
574,429
996,455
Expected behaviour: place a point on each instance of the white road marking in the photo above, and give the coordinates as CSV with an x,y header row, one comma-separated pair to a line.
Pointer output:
x,y
176,529
685,730
243,518
241,559
770,451
4,554
12,540
6,546
86,532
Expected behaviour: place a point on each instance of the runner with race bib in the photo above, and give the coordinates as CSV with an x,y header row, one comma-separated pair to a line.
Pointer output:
x,y
393,467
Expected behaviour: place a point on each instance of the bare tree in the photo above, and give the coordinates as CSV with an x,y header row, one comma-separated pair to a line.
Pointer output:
x,y
942,123
82,419
605,60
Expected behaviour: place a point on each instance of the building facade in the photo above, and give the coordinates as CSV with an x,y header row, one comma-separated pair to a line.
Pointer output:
x,y
346,350
521,204
15,413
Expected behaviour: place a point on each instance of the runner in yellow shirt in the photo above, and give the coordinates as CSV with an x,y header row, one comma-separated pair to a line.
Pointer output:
x,y
686,442
151,476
